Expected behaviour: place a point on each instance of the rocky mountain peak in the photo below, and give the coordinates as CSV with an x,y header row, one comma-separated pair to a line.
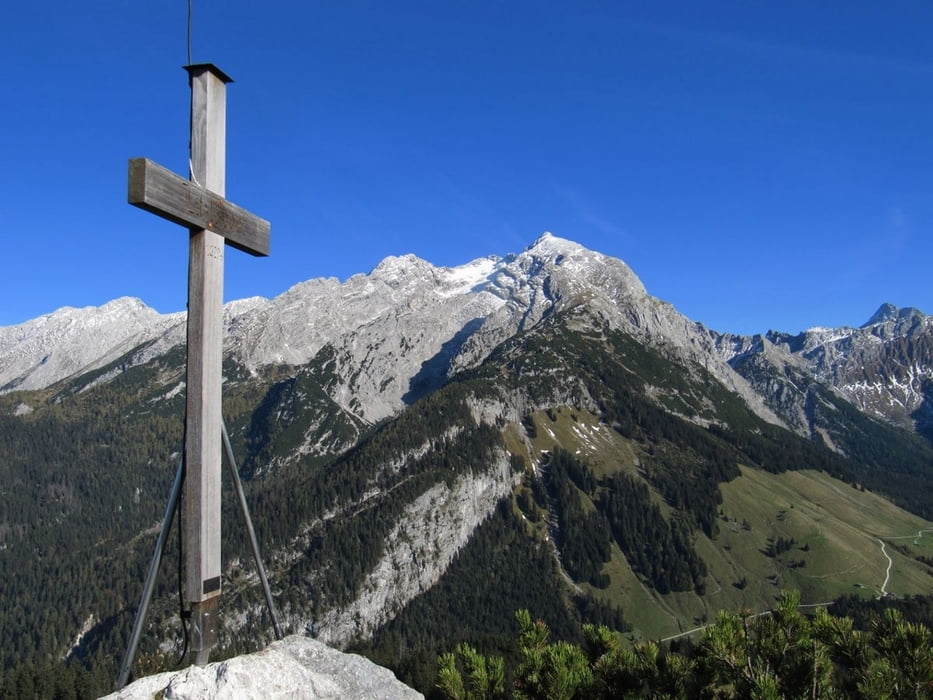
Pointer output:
x,y
885,312
548,243
570,269
883,367
399,265
51,347
889,312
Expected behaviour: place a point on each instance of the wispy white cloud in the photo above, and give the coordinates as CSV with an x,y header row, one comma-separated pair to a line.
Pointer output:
x,y
897,232
591,214
869,257
813,55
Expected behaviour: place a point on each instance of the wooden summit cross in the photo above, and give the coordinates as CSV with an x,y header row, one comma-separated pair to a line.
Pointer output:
x,y
199,204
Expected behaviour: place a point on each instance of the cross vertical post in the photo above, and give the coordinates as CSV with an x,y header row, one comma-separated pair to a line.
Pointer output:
x,y
203,444
199,205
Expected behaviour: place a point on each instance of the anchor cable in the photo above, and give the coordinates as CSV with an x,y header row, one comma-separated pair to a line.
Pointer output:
x,y
189,31
191,175
183,613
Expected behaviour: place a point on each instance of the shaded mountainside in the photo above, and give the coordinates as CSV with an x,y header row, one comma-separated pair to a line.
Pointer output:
x,y
563,443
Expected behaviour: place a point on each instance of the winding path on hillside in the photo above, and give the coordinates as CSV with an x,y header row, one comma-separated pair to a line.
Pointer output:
x,y
884,551
915,538
887,572
884,586
758,614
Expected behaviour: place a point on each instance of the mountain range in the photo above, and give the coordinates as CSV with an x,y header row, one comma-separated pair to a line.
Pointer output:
x,y
428,449
408,326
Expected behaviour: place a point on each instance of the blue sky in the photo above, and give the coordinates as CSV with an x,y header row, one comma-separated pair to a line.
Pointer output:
x,y
758,164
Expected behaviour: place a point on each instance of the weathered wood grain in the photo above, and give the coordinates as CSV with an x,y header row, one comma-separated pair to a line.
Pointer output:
x,y
160,191
201,504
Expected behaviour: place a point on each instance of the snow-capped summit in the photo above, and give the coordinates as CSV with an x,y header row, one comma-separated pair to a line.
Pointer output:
x,y
547,242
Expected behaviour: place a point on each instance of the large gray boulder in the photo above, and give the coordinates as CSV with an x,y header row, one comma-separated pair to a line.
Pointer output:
x,y
298,668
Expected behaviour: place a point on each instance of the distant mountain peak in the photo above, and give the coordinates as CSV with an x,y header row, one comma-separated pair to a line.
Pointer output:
x,y
885,312
889,312
547,242
46,349
392,265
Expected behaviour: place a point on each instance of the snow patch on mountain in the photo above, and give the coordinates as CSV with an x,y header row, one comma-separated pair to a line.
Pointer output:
x,y
468,278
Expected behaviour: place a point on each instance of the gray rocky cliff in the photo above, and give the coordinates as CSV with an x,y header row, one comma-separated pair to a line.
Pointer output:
x,y
423,543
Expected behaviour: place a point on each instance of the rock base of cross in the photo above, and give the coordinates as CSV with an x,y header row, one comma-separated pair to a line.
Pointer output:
x,y
296,667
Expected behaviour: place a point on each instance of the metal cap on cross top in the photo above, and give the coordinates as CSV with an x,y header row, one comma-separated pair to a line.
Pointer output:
x,y
197,68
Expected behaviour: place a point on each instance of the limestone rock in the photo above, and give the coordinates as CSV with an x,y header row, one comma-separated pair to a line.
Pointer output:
x,y
298,668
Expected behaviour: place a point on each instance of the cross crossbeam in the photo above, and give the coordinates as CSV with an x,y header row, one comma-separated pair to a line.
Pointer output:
x,y
162,192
